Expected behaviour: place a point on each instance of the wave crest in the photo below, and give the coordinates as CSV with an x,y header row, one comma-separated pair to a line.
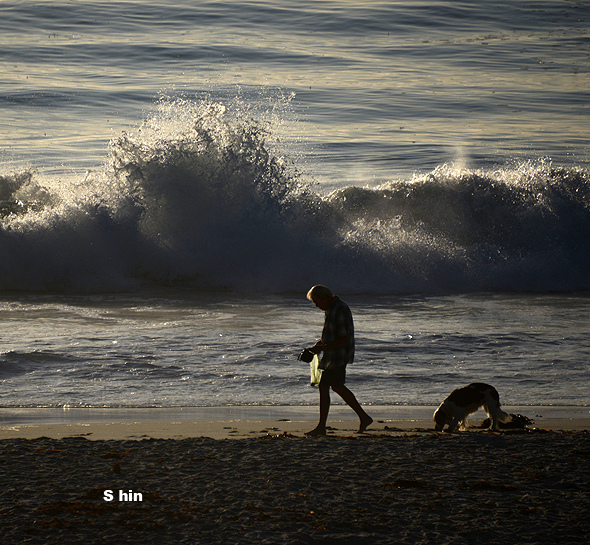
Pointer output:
x,y
194,196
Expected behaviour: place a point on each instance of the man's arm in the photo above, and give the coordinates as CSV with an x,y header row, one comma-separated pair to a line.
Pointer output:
x,y
338,343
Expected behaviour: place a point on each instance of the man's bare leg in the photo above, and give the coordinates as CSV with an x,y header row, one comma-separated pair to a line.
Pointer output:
x,y
324,410
352,402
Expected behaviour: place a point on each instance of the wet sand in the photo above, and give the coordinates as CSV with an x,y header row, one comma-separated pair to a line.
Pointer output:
x,y
245,421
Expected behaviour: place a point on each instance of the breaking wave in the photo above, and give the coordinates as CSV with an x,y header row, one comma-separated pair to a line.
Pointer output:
x,y
194,197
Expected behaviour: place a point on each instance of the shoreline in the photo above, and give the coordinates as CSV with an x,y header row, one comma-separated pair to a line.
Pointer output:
x,y
239,422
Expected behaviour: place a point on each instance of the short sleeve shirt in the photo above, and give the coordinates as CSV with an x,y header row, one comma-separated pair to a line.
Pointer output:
x,y
338,323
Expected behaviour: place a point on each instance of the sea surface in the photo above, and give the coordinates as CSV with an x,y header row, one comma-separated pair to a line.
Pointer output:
x,y
174,177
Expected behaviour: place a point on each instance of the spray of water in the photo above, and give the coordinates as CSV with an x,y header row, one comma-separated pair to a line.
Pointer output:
x,y
200,195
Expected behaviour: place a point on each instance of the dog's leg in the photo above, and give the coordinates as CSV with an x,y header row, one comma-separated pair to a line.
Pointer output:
x,y
495,413
494,425
491,412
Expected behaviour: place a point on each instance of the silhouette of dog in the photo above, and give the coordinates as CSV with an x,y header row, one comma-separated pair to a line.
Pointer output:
x,y
462,402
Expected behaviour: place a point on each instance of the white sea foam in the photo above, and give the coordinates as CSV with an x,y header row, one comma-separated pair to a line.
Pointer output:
x,y
194,196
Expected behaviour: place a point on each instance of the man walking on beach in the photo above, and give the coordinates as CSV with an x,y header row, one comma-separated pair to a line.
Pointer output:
x,y
337,344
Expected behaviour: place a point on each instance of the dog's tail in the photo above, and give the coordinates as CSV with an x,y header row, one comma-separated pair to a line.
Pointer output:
x,y
494,398
504,417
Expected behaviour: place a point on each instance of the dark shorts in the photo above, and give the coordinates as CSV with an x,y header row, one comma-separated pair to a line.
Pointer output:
x,y
334,377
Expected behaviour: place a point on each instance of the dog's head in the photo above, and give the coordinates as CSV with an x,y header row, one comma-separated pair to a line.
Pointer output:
x,y
441,417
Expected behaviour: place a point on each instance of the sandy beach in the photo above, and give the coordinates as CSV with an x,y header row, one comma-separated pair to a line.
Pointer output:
x,y
263,481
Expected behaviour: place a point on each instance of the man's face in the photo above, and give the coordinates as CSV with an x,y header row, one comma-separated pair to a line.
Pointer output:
x,y
321,302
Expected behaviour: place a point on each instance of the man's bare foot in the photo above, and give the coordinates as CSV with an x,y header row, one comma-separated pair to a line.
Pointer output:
x,y
365,423
318,432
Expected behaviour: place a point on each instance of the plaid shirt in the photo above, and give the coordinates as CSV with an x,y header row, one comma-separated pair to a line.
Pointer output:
x,y
338,323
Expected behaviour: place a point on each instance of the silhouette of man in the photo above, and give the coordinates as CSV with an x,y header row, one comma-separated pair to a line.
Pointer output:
x,y
337,345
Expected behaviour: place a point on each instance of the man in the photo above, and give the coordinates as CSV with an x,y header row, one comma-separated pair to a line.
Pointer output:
x,y
337,344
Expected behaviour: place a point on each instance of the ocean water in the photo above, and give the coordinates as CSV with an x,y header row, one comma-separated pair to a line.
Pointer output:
x,y
186,349
174,176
